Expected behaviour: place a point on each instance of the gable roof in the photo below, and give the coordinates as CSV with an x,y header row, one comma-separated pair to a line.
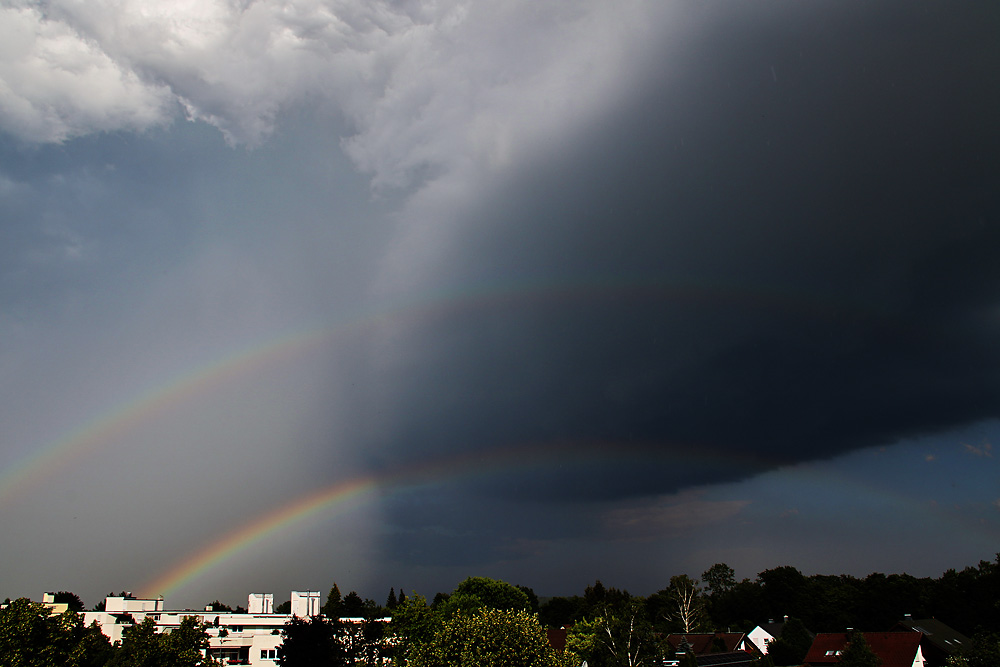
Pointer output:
x,y
894,649
701,643
939,635
772,628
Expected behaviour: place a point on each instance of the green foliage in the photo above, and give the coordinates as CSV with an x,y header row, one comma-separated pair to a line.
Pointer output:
x,y
367,643
793,644
858,653
984,652
71,599
582,642
493,593
621,637
284,607
532,598
316,642
686,611
626,636
489,637
140,646
597,598
688,660
560,611
183,646
390,602
215,605
30,636
413,622
334,605
352,606
720,578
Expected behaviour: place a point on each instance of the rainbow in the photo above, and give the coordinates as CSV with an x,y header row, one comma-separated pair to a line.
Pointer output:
x,y
106,427
238,540
58,454
474,466
465,466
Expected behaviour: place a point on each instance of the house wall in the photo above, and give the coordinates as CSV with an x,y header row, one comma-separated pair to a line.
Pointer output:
x,y
761,638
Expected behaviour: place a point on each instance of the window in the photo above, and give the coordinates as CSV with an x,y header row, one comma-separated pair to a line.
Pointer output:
x,y
268,654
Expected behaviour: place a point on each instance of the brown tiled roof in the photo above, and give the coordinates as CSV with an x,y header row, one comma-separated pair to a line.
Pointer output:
x,y
557,638
894,649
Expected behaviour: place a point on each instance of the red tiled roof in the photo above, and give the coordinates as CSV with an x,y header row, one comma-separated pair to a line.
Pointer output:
x,y
895,649
557,638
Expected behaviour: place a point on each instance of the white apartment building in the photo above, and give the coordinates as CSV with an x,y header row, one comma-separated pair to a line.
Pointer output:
x,y
234,639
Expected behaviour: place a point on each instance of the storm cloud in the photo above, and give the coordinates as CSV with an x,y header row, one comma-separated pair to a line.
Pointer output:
x,y
605,277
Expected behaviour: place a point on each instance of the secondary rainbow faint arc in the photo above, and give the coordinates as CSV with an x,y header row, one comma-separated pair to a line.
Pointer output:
x,y
93,433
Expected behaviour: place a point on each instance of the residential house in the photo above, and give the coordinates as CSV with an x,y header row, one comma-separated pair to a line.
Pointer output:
x,y
894,649
706,643
940,641
765,633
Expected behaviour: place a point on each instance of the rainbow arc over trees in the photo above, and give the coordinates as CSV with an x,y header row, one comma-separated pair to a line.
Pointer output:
x,y
344,495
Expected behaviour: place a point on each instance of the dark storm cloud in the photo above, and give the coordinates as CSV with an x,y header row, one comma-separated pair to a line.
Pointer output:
x,y
782,248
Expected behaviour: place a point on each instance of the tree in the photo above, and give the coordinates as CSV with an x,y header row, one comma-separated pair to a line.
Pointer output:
x,y
784,591
140,646
858,653
284,607
353,605
984,652
413,623
30,636
184,646
793,644
488,637
720,578
215,605
688,609
334,605
317,642
494,593
560,611
582,643
72,600
390,602
367,643
626,635
532,598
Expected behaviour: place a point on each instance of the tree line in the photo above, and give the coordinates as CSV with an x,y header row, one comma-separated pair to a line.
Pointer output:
x,y
608,627
964,599
32,636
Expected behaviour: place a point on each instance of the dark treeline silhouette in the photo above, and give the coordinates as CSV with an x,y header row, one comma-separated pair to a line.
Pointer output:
x,y
964,599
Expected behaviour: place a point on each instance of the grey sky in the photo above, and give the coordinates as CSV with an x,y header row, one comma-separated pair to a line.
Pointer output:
x,y
652,265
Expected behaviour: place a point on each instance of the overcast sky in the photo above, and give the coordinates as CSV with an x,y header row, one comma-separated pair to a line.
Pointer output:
x,y
573,290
